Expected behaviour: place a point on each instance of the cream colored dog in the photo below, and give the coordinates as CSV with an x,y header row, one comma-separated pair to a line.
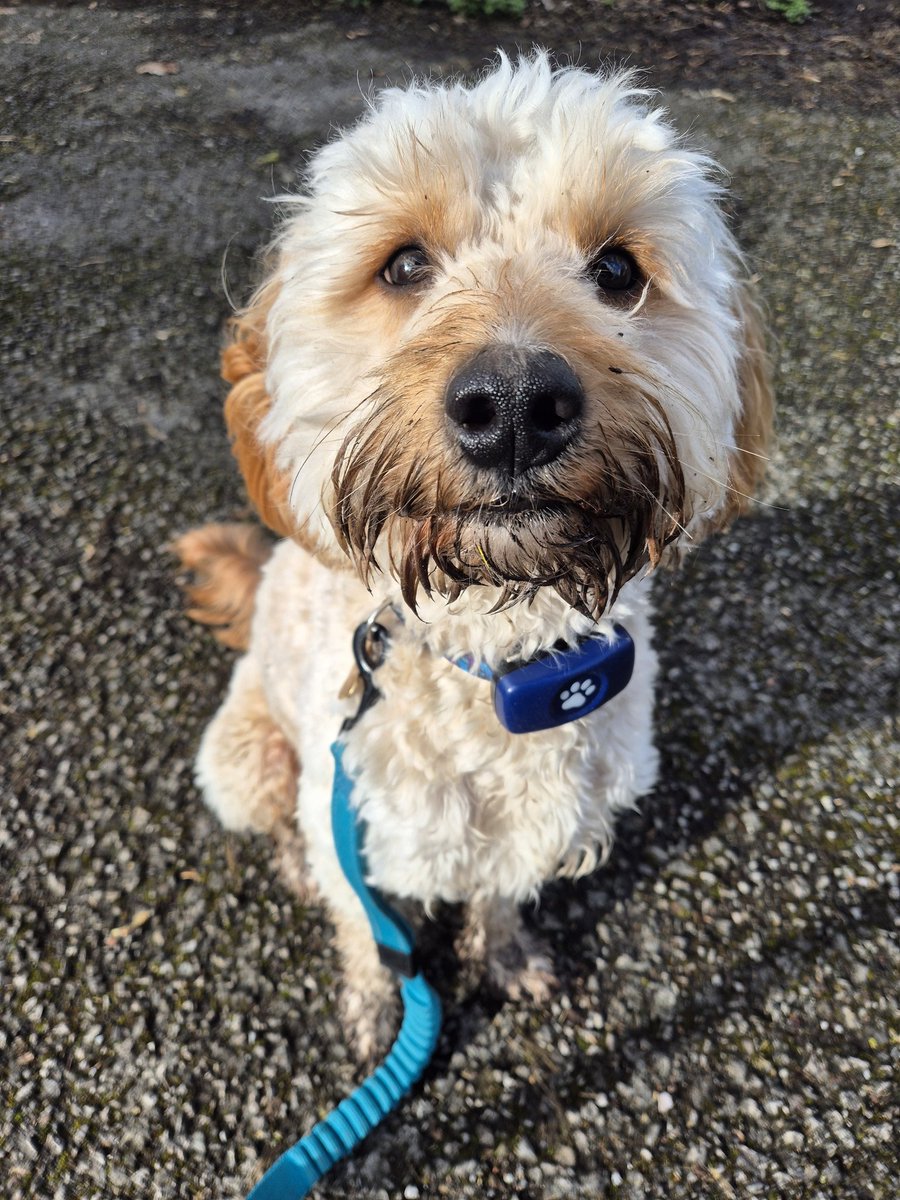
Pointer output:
x,y
504,362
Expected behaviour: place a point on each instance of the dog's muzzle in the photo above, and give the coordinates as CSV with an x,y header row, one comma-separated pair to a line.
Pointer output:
x,y
511,410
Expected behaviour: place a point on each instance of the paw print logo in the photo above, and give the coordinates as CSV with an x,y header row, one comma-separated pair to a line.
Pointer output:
x,y
577,694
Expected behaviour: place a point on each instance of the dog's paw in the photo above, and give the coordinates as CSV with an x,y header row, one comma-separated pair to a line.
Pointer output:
x,y
534,979
290,862
370,1023
515,961
523,968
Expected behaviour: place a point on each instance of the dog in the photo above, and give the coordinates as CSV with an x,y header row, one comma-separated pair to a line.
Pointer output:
x,y
504,364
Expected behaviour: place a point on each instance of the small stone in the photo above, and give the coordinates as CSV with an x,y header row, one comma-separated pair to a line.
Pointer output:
x,y
664,1103
664,1003
565,1156
750,1109
525,1151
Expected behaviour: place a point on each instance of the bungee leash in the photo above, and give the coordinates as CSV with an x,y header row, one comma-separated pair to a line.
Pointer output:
x,y
342,1130
338,1134
548,690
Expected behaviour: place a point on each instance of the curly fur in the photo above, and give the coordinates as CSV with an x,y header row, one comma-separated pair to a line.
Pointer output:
x,y
511,185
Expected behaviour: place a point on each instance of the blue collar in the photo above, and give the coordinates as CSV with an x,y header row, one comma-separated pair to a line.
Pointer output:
x,y
473,666
560,685
551,689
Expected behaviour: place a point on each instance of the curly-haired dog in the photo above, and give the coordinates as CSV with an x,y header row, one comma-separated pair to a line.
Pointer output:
x,y
504,362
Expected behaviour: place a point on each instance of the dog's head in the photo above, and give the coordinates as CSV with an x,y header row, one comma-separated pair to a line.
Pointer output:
x,y
504,342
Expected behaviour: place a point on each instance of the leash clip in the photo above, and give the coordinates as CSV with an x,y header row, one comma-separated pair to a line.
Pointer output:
x,y
370,643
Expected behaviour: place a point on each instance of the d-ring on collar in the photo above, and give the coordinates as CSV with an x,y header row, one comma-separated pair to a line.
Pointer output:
x,y
550,689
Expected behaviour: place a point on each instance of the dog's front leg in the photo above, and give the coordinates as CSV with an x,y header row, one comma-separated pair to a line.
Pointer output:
x,y
248,771
368,999
513,959
369,1003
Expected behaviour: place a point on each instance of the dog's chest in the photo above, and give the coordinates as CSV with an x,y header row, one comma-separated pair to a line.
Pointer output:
x,y
454,805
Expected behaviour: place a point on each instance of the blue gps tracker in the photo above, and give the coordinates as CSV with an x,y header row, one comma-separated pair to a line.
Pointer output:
x,y
563,685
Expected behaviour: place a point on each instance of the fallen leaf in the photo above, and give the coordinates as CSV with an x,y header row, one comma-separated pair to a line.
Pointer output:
x,y
712,94
154,431
141,917
157,68
809,77
230,857
193,876
882,243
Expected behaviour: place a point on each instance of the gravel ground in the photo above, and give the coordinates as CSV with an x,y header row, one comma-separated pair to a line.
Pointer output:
x,y
727,1024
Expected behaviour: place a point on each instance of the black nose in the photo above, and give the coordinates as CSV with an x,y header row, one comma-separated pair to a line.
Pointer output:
x,y
513,410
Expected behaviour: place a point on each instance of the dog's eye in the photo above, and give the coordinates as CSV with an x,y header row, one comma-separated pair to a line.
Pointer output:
x,y
409,266
614,270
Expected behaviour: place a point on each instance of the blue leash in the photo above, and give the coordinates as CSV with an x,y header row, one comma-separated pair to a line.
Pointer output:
x,y
549,690
300,1167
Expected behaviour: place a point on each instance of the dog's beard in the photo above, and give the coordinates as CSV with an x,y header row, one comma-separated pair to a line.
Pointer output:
x,y
583,525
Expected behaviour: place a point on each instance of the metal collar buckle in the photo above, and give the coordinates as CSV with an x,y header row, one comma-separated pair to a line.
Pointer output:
x,y
370,642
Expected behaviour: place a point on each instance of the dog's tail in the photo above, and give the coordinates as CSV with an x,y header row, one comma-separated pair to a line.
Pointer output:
x,y
227,562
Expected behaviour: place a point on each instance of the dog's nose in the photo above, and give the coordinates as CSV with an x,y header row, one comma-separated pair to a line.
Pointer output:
x,y
514,410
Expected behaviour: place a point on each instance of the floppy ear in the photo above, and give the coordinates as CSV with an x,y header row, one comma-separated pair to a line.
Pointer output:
x,y
753,430
244,366
753,436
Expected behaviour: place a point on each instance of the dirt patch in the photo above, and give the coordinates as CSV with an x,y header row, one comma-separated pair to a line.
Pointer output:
x,y
845,54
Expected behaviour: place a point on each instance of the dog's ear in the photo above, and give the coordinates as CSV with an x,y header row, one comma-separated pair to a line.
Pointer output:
x,y
753,435
753,430
244,367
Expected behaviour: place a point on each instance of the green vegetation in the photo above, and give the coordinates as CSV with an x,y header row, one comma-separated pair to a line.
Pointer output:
x,y
795,11
488,8
512,8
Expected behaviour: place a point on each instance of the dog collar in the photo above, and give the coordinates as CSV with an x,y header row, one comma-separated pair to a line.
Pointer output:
x,y
550,689
558,686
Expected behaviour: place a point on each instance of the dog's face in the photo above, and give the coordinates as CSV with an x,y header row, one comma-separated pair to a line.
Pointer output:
x,y
504,343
